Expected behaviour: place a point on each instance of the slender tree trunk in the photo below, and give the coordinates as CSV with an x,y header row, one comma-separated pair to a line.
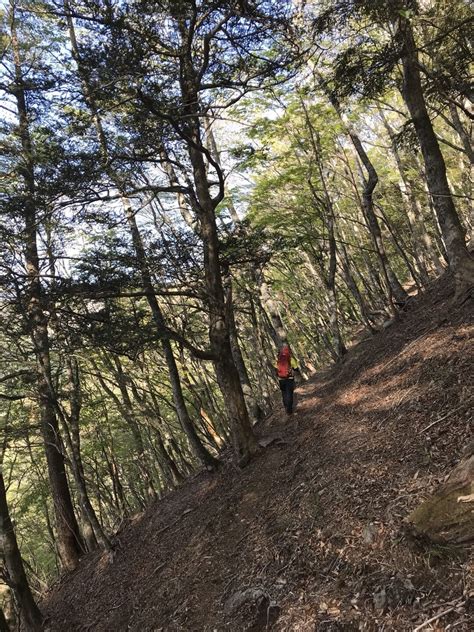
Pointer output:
x,y
186,423
125,408
170,464
69,542
325,206
153,413
402,248
417,228
265,369
70,424
254,409
466,137
460,259
185,420
393,288
118,501
189,217
201,379
365,203
462,132
201,406
243,438
216,155
354,289
30,615
73,436
278,330
392,284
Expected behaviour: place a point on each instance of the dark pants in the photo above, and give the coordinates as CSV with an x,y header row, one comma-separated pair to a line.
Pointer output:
x,y
287,387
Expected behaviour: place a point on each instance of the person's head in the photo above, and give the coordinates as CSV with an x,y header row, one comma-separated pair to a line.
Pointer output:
x,y
285,349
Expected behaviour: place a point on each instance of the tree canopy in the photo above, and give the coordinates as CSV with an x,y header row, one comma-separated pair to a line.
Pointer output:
x,y
186,185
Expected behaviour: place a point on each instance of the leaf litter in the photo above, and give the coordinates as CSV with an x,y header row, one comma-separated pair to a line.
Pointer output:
x,y
309,536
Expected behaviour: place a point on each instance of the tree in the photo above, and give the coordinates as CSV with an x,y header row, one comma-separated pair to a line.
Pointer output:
x,y
17,580
207,459
204,53
24,201
370,72
460,259
16,577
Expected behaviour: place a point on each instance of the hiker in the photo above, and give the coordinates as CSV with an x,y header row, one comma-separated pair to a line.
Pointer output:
x,y
285,366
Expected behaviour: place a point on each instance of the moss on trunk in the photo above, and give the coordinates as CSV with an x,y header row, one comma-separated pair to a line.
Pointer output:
x,y
448,515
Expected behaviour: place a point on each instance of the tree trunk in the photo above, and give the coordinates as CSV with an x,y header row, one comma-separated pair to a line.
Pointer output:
x,y
468,170
393,288
417,228
402,248
278,329
254,409
392,285
125,408
29,612
72,435
447,516
184,208
460,260
69,542
327,211
354,289
4,627
168,461
463,134
185,420
186,423
244,441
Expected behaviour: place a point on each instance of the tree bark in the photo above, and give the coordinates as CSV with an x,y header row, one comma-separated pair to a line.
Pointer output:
x,y
185,420
460,259
327,211
125,408
31,616
253,406
447,516
278,330
254,409
354,289
462,132
186,423
417,228
68,537
393,287
243,438
73,437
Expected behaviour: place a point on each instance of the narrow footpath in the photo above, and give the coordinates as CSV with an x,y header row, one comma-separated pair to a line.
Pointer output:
x,y
312,534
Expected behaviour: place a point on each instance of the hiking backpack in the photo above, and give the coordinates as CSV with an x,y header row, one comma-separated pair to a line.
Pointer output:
x,y
284,370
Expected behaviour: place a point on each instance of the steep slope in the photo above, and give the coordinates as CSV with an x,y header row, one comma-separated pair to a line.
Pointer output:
x,y
310,535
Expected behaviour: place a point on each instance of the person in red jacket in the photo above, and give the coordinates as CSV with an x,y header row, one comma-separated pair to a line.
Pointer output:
x,y
285,366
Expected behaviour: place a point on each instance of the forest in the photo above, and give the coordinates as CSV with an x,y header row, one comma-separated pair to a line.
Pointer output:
x,y
185,185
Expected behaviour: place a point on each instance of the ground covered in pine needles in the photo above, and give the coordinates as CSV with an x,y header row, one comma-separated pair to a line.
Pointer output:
x,y
310,536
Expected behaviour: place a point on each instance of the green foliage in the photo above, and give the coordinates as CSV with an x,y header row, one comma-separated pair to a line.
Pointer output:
x,y
292,173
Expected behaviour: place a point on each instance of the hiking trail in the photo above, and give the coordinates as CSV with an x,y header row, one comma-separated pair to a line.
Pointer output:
x,y
311,535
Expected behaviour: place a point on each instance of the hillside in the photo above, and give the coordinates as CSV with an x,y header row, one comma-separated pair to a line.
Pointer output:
x,y
310,535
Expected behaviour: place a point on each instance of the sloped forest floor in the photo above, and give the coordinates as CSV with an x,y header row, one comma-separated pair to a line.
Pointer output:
x,y
310,535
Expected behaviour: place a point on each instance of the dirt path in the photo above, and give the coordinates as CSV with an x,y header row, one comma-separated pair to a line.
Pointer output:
x,y
309,536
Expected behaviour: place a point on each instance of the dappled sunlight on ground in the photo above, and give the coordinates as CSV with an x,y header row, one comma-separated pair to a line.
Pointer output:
x,y
309,536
